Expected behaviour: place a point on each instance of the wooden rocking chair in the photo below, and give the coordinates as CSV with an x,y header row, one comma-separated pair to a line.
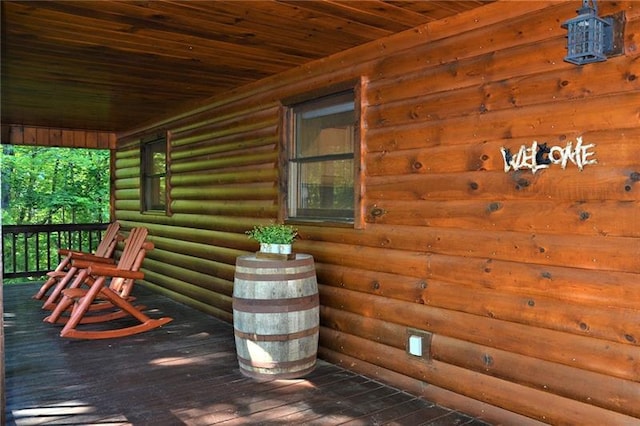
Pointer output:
x,y
130,259
64,272
89,305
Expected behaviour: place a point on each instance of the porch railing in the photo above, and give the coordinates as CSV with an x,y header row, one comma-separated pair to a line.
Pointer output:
x,y
32,250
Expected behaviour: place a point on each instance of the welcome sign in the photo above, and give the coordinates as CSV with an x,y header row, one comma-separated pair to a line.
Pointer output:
x,y
541,156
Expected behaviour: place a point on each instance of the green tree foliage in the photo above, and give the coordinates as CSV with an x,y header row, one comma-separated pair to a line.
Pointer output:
x,y
54,185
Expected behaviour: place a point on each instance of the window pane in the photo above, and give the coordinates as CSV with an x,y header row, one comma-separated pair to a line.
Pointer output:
x,y
326,186
325,135
156,193
158,164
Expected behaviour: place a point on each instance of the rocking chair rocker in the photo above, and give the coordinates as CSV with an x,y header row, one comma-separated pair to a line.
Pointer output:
x,y
89,305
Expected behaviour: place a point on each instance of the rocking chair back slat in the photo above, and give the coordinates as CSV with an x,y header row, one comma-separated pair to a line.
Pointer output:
x,y
108,243
130,260
134,243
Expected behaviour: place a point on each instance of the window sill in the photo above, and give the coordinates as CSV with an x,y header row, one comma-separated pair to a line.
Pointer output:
x,y
155,213
320,222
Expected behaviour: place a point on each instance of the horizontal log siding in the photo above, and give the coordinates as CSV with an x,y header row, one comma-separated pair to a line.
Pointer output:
x,y
530,283
221,184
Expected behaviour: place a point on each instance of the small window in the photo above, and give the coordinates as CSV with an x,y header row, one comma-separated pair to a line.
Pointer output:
x,y
154,173
322,160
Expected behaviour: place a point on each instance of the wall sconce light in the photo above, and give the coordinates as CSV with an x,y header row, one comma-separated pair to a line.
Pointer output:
x,y
590,38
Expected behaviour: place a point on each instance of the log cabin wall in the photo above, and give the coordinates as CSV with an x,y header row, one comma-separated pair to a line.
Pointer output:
x,y
529,283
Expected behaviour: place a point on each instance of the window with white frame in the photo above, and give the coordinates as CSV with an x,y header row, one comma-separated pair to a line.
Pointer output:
x,y
322,159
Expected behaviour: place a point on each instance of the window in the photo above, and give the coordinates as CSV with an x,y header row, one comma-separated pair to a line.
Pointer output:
x,y
322,159
154,173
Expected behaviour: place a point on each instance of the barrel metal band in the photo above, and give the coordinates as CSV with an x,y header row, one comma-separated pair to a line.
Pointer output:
x,y
275,277
264,306
273,364
277,337
252,262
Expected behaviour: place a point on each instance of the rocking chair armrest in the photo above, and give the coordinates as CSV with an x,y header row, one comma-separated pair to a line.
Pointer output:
x,y
78,255
90,257
113,271
85,264
66,252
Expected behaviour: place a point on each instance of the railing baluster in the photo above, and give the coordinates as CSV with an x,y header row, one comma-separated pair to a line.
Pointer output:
x,y
25,244
13,252
15,258
59,245
49,251
37,243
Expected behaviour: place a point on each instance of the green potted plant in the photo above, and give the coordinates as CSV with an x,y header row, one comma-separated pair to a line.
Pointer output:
x,y
275,238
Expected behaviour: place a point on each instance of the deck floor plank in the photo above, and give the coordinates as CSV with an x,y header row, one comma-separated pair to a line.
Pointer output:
x,y
184,373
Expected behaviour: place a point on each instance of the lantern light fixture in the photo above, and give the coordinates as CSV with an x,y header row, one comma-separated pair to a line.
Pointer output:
x,y
589,37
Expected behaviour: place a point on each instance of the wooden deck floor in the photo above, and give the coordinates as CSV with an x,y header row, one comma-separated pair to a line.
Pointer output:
x,y
182,374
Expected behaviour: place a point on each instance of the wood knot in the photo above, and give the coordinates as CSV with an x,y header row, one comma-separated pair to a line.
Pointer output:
x,y
417,165
522,183
584,216
487,360
377,212
635,177
473,185
494,207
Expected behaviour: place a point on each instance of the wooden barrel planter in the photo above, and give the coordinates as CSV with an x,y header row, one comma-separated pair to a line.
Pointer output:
x,y
276,316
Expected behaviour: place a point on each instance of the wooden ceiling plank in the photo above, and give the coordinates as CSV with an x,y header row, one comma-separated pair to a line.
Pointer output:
x,y
334,18
373,13
139,44
162,43
218,27
437,10
300,24
99,82
249,30
97,57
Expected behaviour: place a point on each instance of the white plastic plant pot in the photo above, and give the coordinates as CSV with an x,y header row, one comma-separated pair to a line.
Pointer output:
x,y
275,248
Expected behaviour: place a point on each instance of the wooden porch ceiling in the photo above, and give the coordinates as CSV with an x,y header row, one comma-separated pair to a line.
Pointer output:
x,y
114,65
